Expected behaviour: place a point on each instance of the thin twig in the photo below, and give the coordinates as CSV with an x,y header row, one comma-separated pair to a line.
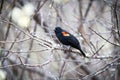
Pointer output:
x,y
101,70
1,5
45,45
104,38
63,66
18,41
88,8
116,16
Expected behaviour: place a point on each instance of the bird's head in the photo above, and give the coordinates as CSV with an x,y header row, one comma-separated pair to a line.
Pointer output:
x,y
58,30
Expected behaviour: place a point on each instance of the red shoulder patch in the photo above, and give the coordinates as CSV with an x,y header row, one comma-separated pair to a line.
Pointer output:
x,y
65,33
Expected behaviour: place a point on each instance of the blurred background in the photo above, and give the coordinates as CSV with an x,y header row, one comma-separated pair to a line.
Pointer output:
x,y
29,49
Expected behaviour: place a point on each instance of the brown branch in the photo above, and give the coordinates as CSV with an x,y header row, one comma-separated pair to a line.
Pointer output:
x,y
31,36
104,38
101,70
11,48
18,41
63,66
21,66
116,16
101,47
1,6
88,8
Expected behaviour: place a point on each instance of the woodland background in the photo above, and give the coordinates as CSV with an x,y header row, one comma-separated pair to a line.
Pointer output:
x,y
29,49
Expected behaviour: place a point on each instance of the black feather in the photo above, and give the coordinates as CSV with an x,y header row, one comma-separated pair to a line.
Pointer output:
x,y
68,40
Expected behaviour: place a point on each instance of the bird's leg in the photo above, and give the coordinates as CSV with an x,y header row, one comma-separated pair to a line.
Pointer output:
x,y
69,50
66,48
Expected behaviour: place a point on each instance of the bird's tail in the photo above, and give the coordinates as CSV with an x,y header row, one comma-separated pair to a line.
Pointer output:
x,y
82,52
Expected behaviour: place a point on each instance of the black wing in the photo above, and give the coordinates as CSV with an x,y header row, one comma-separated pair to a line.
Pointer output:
x,y
72,41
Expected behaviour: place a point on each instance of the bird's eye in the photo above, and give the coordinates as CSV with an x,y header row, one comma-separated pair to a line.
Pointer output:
x,y
65,34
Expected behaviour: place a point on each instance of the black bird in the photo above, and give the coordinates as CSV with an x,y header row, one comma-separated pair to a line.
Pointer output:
x,y
68,39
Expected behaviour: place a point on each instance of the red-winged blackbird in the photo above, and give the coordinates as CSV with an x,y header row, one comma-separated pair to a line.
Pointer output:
x,y
68,39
